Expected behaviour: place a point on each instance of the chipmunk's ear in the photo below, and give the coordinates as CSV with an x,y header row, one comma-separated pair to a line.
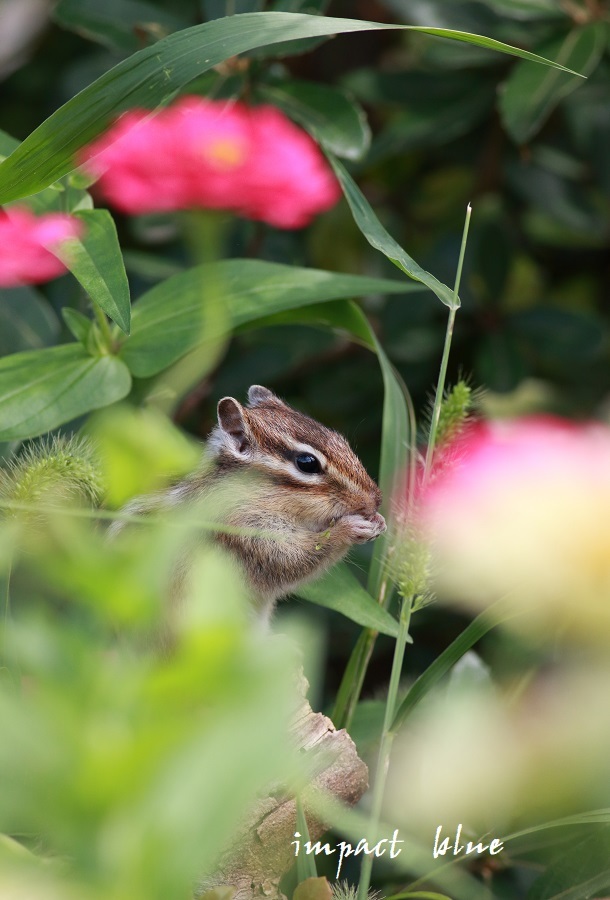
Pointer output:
x,y
257,394
233,426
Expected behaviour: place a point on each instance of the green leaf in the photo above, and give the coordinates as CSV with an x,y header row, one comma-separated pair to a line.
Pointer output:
x,y
96,262
591,817
378,237
151,76
10,847
313,888
531,93
7,144
448,658
340,590
117,24
528,9
167,320
27,322
427,108
60,197
79,325
397,433
419,895
332,118
564,336
42,389
306,863
579,867
217,9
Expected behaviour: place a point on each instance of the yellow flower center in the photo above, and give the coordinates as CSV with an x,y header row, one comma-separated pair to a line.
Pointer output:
x,y
224,153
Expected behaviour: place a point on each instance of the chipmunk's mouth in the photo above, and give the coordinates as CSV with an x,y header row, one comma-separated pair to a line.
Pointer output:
x,y
375,519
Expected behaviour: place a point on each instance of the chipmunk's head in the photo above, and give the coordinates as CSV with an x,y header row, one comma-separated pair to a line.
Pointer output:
x,y
317,474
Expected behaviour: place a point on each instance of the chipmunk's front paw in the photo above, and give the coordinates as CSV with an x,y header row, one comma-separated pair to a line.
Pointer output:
x,y
361,529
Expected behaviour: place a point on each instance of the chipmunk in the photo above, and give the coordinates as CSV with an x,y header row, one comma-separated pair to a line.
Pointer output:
x,y
294,489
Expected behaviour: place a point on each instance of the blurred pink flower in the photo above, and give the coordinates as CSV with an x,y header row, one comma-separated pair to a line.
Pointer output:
x,y
523,506
218,155
27,242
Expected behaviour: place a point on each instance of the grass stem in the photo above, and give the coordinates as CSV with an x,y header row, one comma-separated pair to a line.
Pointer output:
x,y
440,387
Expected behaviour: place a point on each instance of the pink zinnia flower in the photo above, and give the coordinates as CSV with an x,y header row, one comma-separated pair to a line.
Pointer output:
x,y
523,507
217,155
27,242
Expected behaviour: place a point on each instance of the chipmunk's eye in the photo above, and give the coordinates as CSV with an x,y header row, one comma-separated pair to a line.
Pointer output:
x,y
308,463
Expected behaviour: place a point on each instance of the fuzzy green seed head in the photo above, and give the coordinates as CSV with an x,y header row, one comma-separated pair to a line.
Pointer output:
x,y
455,409
342,890
51,472
412,569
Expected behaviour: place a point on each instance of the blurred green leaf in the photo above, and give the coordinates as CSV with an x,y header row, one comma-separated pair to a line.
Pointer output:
x,y
41,389
313,888
446,660
117,24
588,117
96,262
140,451
27,322
426,108
366,726
217,9
60,197
419,895
338,589
571,338
167,320
567,202
10,847
334,120
141,758
580,870
498,362
306,863
530,93
80,326
397,444
588,817
466,15
378,237
432,124
527,9
7,144
154,74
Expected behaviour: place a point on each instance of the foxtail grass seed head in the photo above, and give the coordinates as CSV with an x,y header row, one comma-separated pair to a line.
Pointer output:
x,y
343,890
51,473
455,410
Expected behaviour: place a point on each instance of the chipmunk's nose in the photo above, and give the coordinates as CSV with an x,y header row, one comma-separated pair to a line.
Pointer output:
x,y
368,510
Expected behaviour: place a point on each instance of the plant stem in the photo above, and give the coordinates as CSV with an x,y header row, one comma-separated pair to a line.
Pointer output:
x,y
353,679
440,387
7,613
388,733
387,739
102,321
